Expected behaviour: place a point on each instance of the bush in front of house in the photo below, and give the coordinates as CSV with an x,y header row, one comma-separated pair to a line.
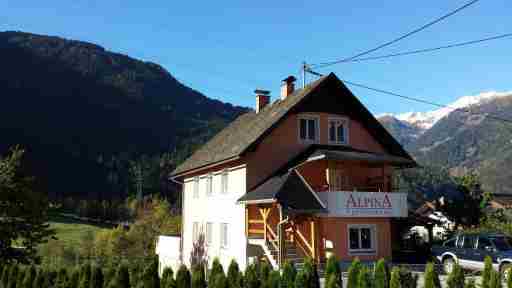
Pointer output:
x,y
62,279
311,272
85,276
264,273
30,276
364,279
198,276
289,274
509,278
394,279
235,277
183,277
456,278
216,270
333,272
353,274
251,277
486,274
495,281
13,276
274,279
431,277
74,280
381,275
301,280
219,281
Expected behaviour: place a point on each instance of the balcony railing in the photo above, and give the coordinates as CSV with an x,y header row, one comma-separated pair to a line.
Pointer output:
x,y
364,204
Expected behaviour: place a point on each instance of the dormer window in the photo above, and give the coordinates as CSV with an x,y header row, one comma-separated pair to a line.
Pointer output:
x,y
338,131
308,128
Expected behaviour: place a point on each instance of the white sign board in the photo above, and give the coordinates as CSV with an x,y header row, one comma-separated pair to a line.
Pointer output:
x,y
168,251
365,204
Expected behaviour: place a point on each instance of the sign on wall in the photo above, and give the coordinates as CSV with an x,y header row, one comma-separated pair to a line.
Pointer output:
x,y
365,204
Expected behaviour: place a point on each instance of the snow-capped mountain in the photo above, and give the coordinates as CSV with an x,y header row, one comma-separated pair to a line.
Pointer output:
x,y
425,120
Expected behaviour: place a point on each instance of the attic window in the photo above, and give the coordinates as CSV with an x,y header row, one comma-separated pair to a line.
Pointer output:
x,y
338,131
308,129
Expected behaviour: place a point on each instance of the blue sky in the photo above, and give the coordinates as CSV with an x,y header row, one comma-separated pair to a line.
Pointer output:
x,y
225,49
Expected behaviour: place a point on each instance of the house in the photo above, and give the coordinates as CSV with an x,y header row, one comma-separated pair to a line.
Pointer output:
x,y
308,174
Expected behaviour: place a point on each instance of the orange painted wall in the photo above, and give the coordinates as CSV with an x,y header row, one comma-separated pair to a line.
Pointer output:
x,y
336,230
283,143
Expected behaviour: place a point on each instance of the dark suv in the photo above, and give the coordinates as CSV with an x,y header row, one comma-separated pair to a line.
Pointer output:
x,y
470,251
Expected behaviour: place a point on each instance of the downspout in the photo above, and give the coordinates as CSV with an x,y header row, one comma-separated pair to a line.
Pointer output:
x,y
182,215
281,241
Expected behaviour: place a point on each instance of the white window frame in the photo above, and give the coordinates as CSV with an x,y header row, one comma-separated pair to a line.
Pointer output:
x,y
209,185
346,130
307,117
224,235
361,251
195,188
224,182
209,233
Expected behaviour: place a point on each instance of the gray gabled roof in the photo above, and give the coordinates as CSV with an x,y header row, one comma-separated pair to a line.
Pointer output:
x,y
248,129
289,189
243,132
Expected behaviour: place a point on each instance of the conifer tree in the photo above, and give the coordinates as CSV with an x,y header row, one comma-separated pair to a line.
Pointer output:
x,y
13,276
364,278
456,277
30,276
183,277
495,281
150,277
122,277
62,279
381,275
40,279
288,277
274,279
85,276
220,281
332,270
311,273
470,284
74,280
486,274
234,275
301,280
251,277
331,282
353,273
394,281
431,277
216,269
264,273
5,276
198,276
167,280
96,277
509,278
21,276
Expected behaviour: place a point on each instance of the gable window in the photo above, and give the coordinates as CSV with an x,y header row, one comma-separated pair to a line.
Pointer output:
x,y
209,232
308,129
196,187
338,131
224,235
362,239
224,182
209,185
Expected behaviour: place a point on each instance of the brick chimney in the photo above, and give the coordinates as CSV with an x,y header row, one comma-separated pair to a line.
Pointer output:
x,y
262,99
287,87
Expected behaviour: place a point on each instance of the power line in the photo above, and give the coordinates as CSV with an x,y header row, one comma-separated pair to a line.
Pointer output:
x,y
437,20
421,50
497,118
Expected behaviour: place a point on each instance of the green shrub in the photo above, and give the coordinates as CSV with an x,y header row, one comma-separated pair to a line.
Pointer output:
x,y
50,278
332,282
495,281
301,280
381,275
97,277
429,276
264,273
21,276
40,279
5,276
333,271
274,279
216,270
409,280
183,277
364,278
167,280
198,276
85,276
30,276
234,275
62,279
122,277
394,281
109,275
486,274
470,283
289,274
74,280
13,276
353,273
251,277
150,277
219,280
456,278
509,278
311,273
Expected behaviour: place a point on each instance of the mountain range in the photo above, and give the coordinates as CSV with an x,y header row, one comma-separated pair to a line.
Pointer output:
x,y
472,134
87,116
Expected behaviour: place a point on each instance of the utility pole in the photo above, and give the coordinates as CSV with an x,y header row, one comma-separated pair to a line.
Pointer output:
x,y
304,67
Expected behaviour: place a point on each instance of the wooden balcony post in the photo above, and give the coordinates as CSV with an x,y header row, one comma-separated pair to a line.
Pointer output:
x,y
246,221
313,243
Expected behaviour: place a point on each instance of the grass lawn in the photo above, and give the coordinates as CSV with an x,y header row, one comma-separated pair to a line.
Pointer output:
x,y
70,232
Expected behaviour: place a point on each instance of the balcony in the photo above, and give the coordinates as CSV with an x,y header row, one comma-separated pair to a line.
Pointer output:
x,y
364,204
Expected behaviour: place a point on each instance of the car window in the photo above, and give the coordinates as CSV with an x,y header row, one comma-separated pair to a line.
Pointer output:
x,y
501,243
469,242
484,242
450,243
459,241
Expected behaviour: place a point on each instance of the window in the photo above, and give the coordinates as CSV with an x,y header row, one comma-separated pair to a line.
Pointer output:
x,y
308,129
469,242
224,182
338,128
195,231
196,187
209,232
362,239
484,243
449,243
209,185
224,235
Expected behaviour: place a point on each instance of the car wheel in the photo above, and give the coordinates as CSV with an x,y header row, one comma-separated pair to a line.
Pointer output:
x,y
448,264
505,270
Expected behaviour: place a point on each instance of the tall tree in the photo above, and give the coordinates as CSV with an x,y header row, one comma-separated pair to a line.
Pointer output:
x,y
23,211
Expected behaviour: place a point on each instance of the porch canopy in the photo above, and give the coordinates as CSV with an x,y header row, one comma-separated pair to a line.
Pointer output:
x,y
289,189
355,155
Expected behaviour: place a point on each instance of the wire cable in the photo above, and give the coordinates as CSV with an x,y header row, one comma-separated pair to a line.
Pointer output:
x,y
437,20
461,44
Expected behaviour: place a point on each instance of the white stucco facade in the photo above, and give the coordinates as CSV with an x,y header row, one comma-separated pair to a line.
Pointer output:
x,y
219,211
